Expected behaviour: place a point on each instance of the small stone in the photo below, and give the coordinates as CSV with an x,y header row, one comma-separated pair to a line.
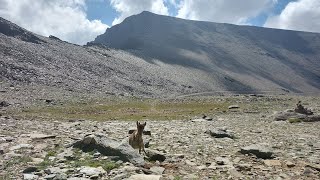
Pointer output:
x,y
145,177
233,107
20,146
53,170
222,161
234,173
157,170
41,136
30,177
96,155
188,162
50,176
243,167
314,166
272,162
30,169
90,171
290,164
202,167
190,177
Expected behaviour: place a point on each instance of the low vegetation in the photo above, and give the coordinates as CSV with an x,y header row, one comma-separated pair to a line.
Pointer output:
x,y
141,109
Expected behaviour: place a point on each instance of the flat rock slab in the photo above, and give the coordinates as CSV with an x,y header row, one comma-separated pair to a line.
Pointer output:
x,y
286,115
157,170
260,151
91,171
272,162
145,177
220,133
30,177
41,136
283,116
110,147
233,107
20,146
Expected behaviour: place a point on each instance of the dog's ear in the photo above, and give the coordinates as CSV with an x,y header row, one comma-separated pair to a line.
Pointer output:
x,y
145,123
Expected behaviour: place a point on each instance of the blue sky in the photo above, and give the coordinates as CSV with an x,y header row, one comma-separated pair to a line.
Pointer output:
x,y
81,21
102,10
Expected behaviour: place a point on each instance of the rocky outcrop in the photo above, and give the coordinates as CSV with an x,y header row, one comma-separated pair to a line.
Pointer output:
x,y
261,151
109,147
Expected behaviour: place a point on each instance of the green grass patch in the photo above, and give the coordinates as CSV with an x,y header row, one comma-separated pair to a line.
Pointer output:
x,y
17,160
294,120
124,109
87,159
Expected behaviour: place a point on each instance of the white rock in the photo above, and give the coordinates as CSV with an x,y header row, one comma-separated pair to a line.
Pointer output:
x,y
145,177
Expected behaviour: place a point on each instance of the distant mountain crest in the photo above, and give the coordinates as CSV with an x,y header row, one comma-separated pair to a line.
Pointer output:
x,y
10,29
251,56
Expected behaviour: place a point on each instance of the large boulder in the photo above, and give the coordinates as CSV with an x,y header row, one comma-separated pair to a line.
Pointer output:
x,y
110,147
291,114
288,114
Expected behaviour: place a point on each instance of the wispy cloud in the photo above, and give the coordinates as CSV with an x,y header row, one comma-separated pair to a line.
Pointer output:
x,y
303,15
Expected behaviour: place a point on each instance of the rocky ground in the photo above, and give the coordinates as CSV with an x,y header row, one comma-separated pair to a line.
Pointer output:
x,y
201,148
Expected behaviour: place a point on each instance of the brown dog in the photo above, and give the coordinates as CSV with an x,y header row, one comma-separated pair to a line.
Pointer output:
x,y
135,139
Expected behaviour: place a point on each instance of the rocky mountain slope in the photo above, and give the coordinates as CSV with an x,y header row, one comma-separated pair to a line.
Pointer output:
x,y
32,66
218,56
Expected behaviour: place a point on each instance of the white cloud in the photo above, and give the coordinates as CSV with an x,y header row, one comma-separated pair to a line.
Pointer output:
x,y
303,15
129,7
65,19
225,11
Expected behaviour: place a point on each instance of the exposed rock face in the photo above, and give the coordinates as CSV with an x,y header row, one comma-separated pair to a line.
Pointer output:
x,y
13,30
110,147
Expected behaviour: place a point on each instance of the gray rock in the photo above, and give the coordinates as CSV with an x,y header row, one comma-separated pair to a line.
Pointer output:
x,y
259,150
4,104
30,169
91,171
154,155
53,170
313,118
234,173
109,147
20,146
220,133
198,120
41,136
30,177
222,161
233,107
50,176
157,170
66,154
283,116
96,155
190,177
